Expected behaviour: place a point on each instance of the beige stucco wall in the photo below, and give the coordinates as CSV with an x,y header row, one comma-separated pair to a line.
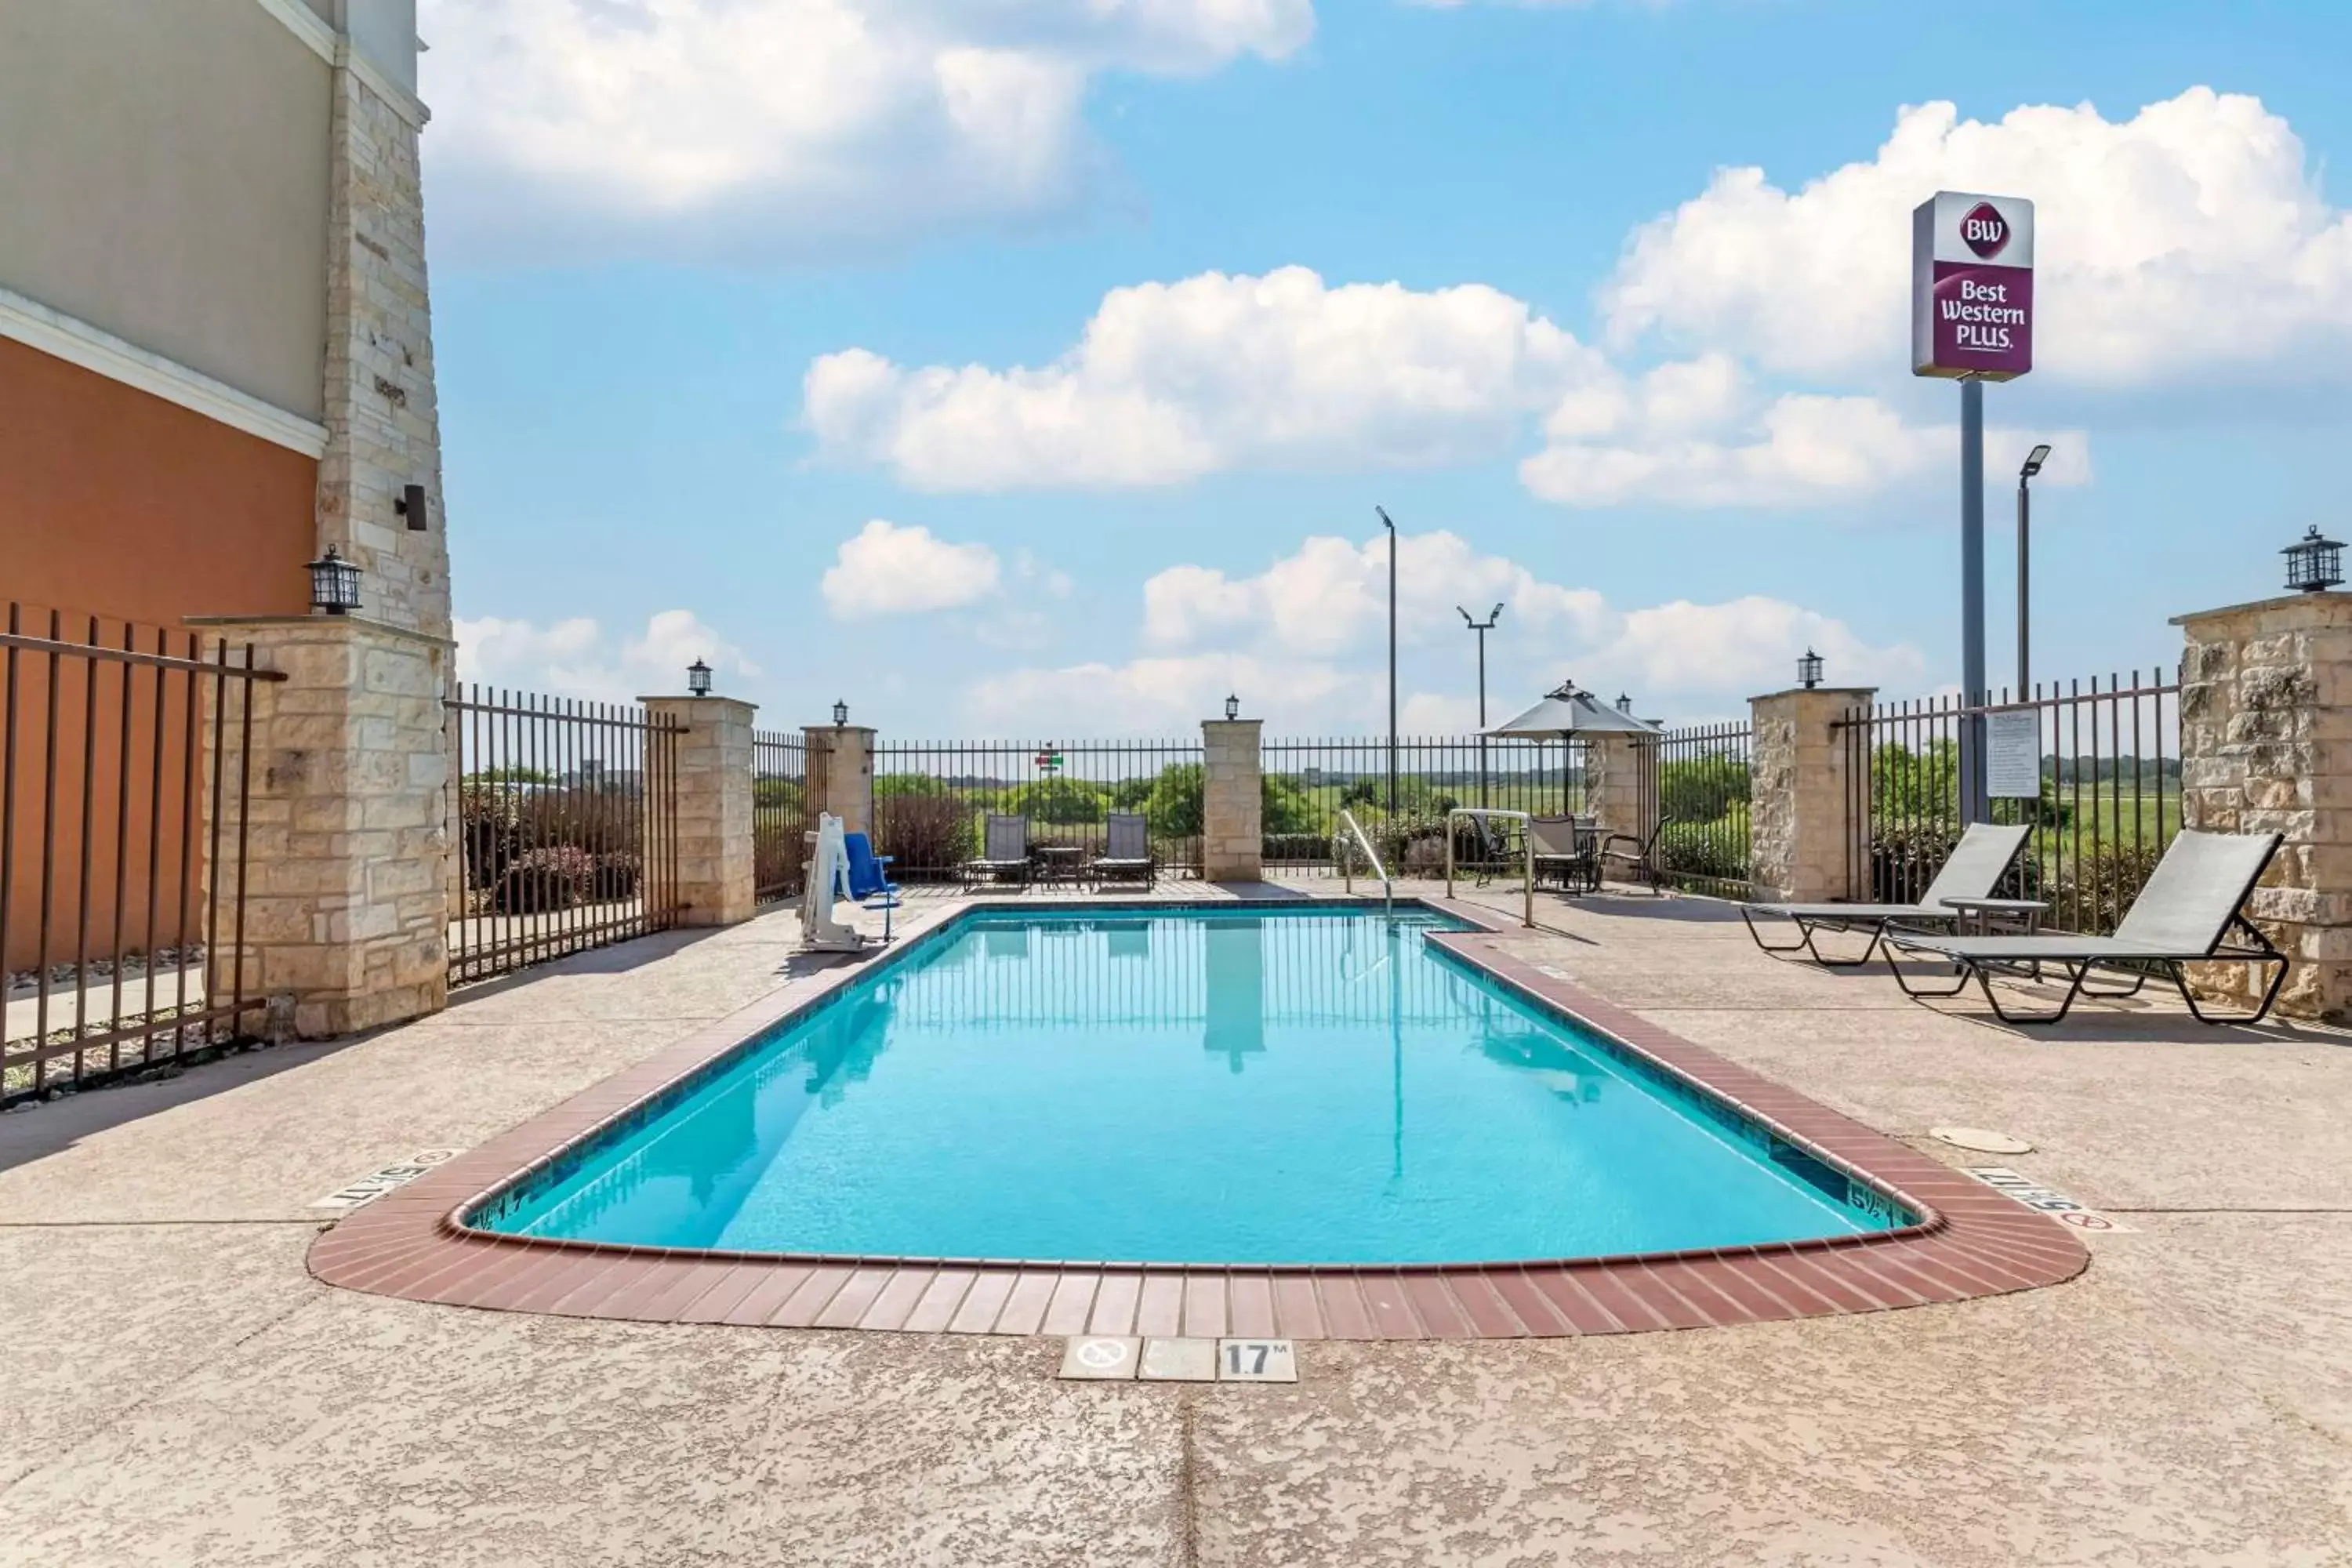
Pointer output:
x,y
178,198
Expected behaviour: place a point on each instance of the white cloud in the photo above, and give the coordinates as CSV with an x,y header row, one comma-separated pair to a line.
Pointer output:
x,y
2191,237
1172,381
575,658
761,128
1165,695
887,570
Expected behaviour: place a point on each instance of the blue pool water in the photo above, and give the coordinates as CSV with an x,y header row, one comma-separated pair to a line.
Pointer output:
x,y
1317,1086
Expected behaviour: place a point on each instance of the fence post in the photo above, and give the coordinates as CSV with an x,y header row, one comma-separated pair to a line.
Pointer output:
x,y
1232,802
1808,816
1615,765
710,761
841,775
2266,746
345,893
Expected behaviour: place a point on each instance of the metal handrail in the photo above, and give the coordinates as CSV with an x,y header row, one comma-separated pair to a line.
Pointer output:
x,y
1527,844
1388,887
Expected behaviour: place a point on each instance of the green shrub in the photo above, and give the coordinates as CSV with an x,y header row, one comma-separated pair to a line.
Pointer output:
x,y
1173,806
1701,789
924,833
545,879
1059,801
2092,894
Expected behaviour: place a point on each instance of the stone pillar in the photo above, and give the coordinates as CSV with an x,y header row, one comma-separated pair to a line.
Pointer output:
x,y
1808,832
2266,746
381,409
346,900
841,775
1232,802
716,882
1621,784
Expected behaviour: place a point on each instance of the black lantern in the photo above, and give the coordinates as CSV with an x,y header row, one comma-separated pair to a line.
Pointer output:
x,y
334,584
698,678
2313,564
1809,669
840,715
1233,708
1625,704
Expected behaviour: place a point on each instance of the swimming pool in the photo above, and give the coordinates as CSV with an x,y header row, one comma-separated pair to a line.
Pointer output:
x,y
1319,1085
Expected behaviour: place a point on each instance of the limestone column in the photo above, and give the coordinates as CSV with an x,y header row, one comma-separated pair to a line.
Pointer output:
x,y
346,901
2266,746
712,761
1621,784
1232,802
841,775
1808,816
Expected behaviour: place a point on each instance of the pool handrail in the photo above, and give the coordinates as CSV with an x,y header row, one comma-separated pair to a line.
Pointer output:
x,y
1388,887
1527,844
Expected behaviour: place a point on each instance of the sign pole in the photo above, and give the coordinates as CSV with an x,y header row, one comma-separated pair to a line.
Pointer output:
x,y
1973,802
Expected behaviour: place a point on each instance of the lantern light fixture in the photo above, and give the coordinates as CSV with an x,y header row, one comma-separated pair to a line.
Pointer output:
x,y
2314,564
1809,669
1233,708
698,678
334,584
840,715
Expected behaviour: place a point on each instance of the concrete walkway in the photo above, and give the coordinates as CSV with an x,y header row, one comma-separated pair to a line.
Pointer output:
x,y
177,1390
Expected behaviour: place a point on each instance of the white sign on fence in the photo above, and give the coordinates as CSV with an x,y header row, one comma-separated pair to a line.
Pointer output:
x,y
2013,753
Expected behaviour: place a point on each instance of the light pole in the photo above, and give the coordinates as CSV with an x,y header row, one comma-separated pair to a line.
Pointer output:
x,y
1482,629
2034,461
1389,523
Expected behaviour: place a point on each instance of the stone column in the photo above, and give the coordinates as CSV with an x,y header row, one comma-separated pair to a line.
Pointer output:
x,y
346,900
712,752
2266,746
841,775
1616,788
1808,832
1232,802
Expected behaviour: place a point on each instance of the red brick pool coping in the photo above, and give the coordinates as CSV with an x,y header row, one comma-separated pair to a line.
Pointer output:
x,y
1971,1241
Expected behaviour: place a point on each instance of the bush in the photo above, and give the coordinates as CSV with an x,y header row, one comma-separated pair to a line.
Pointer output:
x,y
1058,801
1701,789
487,832
617,875
1173,806
1299,848
1284,807
542,881
780,796
1717,849
778,852
923,833
2093,893
598,821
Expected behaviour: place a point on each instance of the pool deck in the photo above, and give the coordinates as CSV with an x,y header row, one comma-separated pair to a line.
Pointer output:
x,y
180,1389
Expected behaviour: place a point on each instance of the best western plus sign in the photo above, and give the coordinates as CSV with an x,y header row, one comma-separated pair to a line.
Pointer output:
x,y
1972,285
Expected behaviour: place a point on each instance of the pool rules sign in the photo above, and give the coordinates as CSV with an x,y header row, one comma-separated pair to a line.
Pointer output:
x,y
1973,287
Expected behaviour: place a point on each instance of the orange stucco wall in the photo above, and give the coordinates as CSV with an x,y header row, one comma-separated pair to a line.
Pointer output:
x,y
118,504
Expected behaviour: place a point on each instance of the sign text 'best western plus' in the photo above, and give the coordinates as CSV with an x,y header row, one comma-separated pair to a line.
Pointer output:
x,y
1972,285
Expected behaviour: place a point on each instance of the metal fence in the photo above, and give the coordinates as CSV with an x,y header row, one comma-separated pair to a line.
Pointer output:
x,y
1309,781
932,798
567,827
119,825
1697,784
779,814
2107,800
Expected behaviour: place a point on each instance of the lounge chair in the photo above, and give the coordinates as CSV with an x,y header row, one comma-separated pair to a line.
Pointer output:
x,y
2194,899
1005,846
869,883
1126,851
1567,850
1638,855
1975,867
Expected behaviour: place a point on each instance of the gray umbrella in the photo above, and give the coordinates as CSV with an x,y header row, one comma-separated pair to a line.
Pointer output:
x,y
1569,711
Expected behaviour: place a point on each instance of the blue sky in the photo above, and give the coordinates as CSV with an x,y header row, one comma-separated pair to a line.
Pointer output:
x,y
764,333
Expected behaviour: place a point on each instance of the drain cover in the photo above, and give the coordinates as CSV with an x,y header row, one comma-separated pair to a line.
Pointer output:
x,y
1981,1141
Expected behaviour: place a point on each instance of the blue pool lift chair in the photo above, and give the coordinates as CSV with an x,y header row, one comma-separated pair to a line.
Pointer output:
x,y
870,884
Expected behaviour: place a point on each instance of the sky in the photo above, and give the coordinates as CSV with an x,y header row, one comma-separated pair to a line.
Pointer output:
x,y
1033,368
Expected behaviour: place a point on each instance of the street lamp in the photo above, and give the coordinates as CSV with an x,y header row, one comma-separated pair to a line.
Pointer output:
x,y
1233,709
840,715
1389,523
2313,564
698,678
1809,669
1482,629
2034,461
334,584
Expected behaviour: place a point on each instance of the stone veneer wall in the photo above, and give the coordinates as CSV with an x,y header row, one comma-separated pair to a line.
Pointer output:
x,y
1805,840
1615,765
1232,803
841,775
381,412
2266,746
712,752
346,901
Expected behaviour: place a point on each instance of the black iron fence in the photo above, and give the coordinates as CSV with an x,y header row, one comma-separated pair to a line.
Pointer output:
x,y
120,824
932,798
779,815
1697,785
2093,768
1308,782
567,827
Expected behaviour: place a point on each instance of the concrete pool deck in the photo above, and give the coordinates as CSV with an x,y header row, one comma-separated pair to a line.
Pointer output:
x,y
180,1389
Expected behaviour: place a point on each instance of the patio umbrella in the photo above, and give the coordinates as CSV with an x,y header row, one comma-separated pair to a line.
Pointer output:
x,y
1567,712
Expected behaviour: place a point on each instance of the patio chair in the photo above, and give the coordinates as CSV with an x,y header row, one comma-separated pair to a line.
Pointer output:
x,y
1975,867
1568,850
1639,855
2194,899
1004,844
870,884
1126,851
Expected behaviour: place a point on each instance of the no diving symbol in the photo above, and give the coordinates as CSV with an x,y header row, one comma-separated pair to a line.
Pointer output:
x,y
1102,1354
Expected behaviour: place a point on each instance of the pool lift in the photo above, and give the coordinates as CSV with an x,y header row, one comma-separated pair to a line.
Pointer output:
x,y
828,884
